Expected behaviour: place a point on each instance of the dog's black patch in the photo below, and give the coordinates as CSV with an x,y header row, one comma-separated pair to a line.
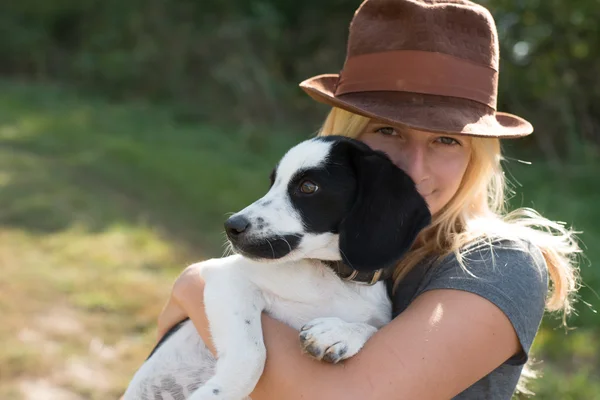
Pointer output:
x,y
323,210
363,196
360,194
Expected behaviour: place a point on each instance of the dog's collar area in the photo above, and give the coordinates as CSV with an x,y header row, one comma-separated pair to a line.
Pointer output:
x,y
347,273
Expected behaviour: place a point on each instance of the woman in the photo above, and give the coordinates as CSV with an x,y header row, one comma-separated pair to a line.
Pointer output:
x,y
420,83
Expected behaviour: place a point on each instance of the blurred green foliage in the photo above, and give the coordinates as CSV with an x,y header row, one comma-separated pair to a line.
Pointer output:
x,y
241,60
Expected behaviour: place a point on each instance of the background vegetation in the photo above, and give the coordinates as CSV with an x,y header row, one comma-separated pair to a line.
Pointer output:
x,y
129,129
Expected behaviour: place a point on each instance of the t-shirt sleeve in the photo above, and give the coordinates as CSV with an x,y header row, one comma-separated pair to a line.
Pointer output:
x,y
512,275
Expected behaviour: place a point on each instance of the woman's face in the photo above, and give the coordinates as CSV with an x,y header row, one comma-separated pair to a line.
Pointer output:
x,y
436,162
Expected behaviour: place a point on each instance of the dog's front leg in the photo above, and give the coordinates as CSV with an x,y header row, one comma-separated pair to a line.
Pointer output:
x,y
233,307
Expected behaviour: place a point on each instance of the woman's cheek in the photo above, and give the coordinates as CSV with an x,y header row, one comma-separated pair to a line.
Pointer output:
x,y
452,174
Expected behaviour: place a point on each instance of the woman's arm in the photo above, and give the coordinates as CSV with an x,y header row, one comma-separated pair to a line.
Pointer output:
x,y
445,341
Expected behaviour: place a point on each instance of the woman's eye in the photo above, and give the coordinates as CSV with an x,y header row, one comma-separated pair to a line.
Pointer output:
x,y
308,187
387,130
447,140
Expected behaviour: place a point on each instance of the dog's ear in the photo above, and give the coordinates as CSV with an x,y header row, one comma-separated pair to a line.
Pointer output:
x,y
386,217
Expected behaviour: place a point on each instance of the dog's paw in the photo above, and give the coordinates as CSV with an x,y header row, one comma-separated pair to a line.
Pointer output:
x,y
333,340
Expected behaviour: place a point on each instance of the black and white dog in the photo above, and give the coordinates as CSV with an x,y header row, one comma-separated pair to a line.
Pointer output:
x,y
313,253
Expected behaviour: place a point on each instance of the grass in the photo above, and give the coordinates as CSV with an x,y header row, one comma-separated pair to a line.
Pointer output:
x,y
102,205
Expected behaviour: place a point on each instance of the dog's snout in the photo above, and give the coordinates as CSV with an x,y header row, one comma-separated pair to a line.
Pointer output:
x,y
236,225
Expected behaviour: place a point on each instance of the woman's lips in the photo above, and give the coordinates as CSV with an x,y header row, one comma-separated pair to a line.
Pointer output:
x,y
428,194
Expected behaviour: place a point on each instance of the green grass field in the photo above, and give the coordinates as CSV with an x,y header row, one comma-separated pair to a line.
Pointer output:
x,y
101,205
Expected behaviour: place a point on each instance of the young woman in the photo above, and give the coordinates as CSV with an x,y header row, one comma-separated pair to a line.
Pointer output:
x,y
420,83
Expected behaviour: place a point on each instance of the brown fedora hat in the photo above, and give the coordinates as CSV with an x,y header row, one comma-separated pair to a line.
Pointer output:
x,y
430,65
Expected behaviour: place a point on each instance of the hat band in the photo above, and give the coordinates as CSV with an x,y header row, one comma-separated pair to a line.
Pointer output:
x,y
419,72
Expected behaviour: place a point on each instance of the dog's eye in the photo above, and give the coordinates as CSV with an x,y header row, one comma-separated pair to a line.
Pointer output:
x,y
308,187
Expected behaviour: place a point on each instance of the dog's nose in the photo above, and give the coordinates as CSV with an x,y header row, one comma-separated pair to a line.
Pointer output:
x,y
236,225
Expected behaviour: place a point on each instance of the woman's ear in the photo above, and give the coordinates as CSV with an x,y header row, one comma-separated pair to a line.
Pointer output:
x,y
386,217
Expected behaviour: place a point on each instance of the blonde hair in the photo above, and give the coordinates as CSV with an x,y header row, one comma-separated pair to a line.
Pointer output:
x,y
477,213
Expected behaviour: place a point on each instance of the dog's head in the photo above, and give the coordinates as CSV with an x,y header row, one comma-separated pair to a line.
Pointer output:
x,y
332,198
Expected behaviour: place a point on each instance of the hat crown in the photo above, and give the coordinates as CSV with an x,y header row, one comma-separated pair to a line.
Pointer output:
x,y
431,65
459,28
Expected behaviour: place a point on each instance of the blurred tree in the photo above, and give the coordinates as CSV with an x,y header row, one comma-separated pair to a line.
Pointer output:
x,y
242,60
551,53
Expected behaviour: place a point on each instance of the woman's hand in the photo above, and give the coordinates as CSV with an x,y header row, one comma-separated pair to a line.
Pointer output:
x,y
186,300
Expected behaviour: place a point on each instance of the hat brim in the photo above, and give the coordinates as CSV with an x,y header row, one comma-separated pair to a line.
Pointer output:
x,y
432,113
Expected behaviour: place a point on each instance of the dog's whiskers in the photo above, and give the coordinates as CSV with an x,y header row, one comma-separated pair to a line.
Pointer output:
x,y
228,249
272,249
288,243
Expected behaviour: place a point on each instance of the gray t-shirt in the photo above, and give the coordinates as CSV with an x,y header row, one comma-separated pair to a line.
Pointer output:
x,y
512,275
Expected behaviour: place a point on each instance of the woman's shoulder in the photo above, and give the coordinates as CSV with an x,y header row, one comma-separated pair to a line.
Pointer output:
x,y
498,264
510,273
497,251
498,268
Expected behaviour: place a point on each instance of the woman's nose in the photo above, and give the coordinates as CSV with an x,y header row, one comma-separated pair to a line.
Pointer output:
x,y
414,163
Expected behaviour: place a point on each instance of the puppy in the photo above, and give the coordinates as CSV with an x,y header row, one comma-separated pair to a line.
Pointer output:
x,y
313,253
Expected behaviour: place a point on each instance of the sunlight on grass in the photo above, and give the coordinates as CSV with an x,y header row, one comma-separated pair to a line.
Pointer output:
x,y
101,207
65,291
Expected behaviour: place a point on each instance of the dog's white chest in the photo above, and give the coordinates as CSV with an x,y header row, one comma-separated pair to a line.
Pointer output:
x,y
309,292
